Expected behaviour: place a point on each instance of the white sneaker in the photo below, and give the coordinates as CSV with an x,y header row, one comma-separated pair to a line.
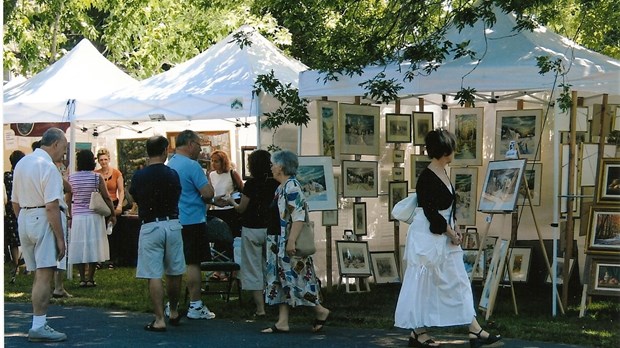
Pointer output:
x,y
45,334
167,310
200,313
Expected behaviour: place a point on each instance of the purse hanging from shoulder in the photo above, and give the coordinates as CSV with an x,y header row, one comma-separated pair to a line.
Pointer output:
x,y
305,244
97,203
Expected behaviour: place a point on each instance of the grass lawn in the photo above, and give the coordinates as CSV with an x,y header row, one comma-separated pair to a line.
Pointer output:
x,y
119,289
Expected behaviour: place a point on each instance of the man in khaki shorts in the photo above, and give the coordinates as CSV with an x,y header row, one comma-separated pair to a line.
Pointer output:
x,y
38,202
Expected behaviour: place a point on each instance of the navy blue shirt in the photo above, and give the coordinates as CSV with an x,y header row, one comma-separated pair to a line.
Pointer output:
x,y
156,189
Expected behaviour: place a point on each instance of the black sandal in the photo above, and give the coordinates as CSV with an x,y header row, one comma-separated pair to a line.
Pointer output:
x,y
413,341
151,327
479,341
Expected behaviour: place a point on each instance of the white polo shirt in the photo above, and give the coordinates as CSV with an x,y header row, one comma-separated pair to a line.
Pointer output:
x,y
37,181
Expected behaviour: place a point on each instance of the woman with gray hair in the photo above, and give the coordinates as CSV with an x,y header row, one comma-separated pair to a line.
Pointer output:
x,y
291,279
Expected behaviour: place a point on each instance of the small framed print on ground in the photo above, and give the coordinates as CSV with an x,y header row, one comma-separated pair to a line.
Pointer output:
x,y
397,128
604,231
605,276
469,257
501,186
353,259
609,181
359,219
384,267
359,129
466,125
471,239
397,192
494,272
560,271
519,264
360,179
329,218
422,124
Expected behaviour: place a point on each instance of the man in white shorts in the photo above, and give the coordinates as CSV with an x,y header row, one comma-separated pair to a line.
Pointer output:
x,y
38,202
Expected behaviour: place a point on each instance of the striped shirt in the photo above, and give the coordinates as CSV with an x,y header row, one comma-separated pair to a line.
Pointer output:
x,y
83,183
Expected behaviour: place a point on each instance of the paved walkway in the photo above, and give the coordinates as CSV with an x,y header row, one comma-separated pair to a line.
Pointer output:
x,y
97,327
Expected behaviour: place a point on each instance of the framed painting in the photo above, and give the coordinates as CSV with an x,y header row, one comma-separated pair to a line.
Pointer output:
x,y
131,157
533,177
384,267
604,230
522,126
560,271
360,179
589,162
518,264
316,176
398,156
353,259
489,245
494,272
329,218
327,115
597,115
469,258
359,129
466,125
245,153
397,192
605,279
422,124
397,128
466,185
418,163
398,174
609,181
501,186
471,240
359,219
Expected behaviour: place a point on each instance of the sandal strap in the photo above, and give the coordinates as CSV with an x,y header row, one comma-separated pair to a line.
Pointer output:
x,y
477,334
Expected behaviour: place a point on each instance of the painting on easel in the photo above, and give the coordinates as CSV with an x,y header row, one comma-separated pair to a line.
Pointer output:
x,y
501,186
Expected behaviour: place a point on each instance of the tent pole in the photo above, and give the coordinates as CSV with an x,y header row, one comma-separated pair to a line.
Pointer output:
x,y
556,208
258,140
72,161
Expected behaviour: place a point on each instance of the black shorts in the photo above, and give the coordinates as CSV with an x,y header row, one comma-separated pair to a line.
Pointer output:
x,y
195,244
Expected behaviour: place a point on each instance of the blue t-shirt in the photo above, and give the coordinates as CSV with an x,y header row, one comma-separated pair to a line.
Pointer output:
x,y
192,209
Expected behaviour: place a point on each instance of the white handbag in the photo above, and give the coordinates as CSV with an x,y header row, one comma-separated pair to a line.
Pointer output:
x,y
405,210
97,203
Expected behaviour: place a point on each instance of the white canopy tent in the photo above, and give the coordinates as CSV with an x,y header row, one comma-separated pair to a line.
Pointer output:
x,y
82,75
507,63
215,84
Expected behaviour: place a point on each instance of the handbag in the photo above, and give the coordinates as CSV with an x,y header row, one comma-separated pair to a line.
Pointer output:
x,y
304,245
404,210
97,203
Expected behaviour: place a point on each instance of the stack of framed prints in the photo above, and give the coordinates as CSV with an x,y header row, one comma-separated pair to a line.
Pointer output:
x,y
518,265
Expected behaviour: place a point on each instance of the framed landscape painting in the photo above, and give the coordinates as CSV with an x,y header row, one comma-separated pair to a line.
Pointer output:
x,y
501,186
466,185
353,259
316,176
360,179
560,271
519,264
384,267
422,124
604,231
397,128
397,192
533,177
359,219
606,276
328,129
418,163
359,129
609,181
466,124
522,126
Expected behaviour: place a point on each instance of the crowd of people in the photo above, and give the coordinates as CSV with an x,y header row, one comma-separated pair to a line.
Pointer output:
x,y
173,196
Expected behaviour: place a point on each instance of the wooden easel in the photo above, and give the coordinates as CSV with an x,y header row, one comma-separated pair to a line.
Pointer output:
x,y
358,281
497,279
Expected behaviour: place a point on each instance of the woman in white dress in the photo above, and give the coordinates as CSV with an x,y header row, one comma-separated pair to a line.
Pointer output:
x,y
436,290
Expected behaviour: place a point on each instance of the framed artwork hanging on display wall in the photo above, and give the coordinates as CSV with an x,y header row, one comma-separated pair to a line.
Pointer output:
x,y
327,112
465,182
316,176
359,219
360,179
398,174
609,181
604,231
397,192
397,128
418,163
359,129
422,124
329,218
605,278
533,177
521,126
466,124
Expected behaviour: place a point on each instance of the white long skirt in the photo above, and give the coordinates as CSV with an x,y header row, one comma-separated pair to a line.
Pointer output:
x,y
88,241
436,290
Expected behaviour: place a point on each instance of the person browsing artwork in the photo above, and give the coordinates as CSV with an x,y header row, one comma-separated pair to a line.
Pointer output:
x,y
436,290
156,189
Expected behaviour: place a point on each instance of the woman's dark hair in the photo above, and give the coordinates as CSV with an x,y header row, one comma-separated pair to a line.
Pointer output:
x,y
439,143
259,164
85,160
15,157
